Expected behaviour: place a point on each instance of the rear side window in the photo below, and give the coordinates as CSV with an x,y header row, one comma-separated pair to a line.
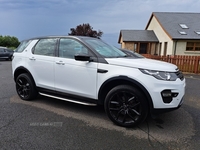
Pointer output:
x,y
45,47
23,45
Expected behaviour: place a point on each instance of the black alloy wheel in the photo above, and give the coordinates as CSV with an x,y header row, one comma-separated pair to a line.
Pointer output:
x,y
25,87
126,106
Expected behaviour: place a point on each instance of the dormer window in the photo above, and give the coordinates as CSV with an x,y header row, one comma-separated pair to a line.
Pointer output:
x,y
182,32
183,26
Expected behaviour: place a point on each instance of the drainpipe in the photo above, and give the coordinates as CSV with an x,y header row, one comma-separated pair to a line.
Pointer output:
x,y
175,47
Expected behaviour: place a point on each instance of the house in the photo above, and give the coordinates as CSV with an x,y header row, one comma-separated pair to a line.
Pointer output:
x,y
141,41
177,34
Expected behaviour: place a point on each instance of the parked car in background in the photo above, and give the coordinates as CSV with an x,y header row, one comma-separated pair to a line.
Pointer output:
x,y
88,71
6,53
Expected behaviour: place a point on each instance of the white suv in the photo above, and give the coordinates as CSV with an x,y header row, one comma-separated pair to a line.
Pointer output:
x,y
88,71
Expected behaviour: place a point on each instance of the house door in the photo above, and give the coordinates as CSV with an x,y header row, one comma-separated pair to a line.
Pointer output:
x,y
143,48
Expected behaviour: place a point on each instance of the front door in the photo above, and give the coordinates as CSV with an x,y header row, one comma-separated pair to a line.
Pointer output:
x,y
72,76
143,48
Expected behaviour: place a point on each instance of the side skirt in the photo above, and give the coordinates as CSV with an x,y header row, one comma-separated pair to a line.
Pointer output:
x,y
73,101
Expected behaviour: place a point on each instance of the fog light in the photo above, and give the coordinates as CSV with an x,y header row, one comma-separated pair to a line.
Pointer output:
x,y
166,96
166,93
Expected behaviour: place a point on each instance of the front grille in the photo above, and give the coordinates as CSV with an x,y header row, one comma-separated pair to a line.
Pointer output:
x,y
180,75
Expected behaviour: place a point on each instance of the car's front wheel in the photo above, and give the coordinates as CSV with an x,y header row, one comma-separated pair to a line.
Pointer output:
x,y
126,106
25,87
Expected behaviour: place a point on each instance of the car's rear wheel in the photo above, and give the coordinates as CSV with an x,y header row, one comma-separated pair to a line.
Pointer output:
x,y
126,106
25,87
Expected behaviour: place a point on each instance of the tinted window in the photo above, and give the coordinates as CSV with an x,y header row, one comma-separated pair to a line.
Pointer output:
x,y
69,47
22,46
45,47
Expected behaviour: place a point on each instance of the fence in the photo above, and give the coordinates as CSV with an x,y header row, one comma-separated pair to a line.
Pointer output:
x,y
190,64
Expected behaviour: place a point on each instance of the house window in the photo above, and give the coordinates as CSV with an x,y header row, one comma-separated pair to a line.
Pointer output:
x,y
193,46
165,49
160,48
135,47
183,26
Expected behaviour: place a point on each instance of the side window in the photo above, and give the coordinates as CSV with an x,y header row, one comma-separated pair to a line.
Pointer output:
x,y
69,47
1,50
22,46
45,47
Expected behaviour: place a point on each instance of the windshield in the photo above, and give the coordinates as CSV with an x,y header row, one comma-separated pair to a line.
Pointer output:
x,y
130,53
105,49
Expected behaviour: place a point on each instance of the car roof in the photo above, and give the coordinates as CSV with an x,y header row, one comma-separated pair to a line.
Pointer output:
x,y
61,36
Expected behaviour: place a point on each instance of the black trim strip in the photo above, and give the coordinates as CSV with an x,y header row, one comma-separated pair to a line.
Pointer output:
x,y
67,96
73,101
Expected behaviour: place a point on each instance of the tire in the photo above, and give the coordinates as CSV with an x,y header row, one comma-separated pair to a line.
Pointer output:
x,y
126,106
25,87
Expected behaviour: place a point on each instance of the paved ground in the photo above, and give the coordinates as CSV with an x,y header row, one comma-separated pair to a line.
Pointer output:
x,y
52,124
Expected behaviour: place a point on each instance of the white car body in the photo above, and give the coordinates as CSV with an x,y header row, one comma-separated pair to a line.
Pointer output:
x,y
86,78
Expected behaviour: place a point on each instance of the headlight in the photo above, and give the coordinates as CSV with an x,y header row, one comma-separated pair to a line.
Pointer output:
x,y
161,75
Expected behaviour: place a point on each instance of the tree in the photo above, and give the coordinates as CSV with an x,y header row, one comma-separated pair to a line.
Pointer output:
x,y
85,30
9,41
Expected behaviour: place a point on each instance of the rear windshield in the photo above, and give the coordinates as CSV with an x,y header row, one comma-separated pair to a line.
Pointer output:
x,y
22,46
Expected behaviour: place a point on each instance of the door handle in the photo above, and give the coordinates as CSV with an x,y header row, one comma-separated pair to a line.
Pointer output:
x,y
102,71
32,58
60,63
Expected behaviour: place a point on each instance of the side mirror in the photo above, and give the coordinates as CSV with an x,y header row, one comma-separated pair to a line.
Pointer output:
x,y
82,57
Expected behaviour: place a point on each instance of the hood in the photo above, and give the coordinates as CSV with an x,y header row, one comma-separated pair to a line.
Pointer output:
x,y
143,63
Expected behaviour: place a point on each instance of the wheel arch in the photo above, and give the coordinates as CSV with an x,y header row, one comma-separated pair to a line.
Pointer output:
x,y
21,70
120,80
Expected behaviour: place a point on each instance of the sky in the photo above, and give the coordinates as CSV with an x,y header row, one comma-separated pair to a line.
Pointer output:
x,y
31,18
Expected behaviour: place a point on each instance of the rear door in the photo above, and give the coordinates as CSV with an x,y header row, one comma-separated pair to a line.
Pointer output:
x,y
42,61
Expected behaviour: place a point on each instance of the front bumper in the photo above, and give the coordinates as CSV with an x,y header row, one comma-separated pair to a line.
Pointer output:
x,y
165,94
164,110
